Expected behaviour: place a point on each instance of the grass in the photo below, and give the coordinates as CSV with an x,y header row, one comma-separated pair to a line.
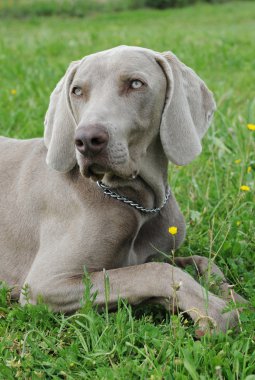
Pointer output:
x,y
145,343
81,8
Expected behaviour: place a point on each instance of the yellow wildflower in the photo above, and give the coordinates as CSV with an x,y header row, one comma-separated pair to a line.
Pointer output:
x,y
245,188
238,223
13,91
172,230
238,161
251,127
249,169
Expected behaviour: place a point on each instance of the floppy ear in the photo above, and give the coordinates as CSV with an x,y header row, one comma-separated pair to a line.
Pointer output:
x,y
188,111
60,125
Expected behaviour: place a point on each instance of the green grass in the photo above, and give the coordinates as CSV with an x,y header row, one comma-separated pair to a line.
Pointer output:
x,y
145,343
81,8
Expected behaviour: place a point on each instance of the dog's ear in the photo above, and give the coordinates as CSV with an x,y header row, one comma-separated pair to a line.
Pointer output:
x,y
188,111
60,125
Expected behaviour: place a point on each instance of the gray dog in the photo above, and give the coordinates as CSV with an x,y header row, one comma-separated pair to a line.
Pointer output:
x,y
94,191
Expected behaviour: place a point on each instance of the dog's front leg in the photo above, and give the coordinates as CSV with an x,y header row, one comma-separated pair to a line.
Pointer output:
x,y
166,285
169,285
64,291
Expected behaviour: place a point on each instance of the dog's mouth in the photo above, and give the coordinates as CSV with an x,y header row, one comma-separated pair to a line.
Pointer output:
x,y
98,170
94,171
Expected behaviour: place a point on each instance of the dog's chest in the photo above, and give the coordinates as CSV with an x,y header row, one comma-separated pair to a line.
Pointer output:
x,y
105,233
114,231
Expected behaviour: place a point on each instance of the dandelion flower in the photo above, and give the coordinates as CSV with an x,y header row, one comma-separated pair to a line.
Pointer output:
x,y
249,169
238,161
245,188
13,91
251,127
173,230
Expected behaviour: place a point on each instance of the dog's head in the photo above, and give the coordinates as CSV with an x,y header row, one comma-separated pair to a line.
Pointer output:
x,y
111,106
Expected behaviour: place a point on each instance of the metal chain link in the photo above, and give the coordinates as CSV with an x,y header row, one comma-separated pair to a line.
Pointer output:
x,y
121,198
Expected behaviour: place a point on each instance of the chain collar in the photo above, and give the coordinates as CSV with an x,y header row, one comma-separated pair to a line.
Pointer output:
x,y
121,198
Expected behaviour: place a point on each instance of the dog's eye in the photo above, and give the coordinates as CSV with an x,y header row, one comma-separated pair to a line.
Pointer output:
x,y
77,91
136,83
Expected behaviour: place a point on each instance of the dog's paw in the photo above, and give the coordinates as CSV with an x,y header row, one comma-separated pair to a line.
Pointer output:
x,y
216,318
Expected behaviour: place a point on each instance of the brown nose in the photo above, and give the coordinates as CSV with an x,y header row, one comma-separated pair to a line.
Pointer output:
x,y
91,139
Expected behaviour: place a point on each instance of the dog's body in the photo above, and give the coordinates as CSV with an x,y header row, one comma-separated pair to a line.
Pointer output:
x,y
119,116
78,220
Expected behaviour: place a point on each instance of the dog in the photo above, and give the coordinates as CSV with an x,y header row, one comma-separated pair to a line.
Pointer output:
x,y
93,192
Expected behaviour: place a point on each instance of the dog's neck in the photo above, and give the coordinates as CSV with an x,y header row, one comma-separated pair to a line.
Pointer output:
x,y
149,188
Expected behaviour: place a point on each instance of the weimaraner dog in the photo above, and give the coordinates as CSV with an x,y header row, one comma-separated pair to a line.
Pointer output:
x,y
93,192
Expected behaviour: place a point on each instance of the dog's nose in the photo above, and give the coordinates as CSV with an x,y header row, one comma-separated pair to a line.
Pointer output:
x,y
91,139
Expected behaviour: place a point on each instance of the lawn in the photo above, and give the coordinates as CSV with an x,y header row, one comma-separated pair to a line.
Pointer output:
x,y
218,42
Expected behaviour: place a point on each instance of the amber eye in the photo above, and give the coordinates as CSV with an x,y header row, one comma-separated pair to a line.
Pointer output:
x,y
77,91
136,83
